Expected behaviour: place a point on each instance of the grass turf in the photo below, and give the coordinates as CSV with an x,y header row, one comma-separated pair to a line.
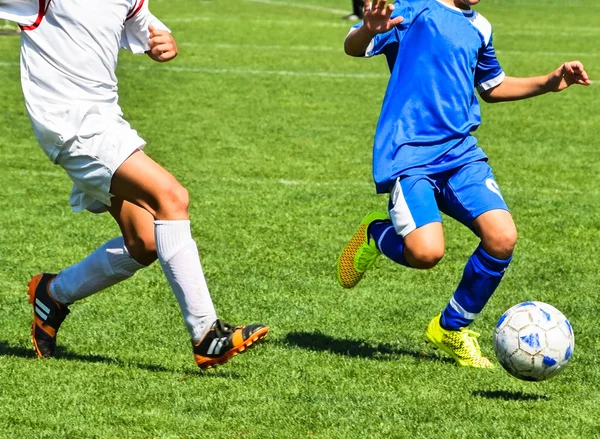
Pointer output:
x,y
269,125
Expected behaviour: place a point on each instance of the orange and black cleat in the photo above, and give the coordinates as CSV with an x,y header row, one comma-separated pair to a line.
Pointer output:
x,y
224,341
48,315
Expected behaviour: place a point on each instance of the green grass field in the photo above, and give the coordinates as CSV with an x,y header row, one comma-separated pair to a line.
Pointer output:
x,y
269,125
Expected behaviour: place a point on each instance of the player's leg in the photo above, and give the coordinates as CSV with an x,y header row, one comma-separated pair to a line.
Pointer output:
x,y
116,260
143,182
418,241
412,236
472,197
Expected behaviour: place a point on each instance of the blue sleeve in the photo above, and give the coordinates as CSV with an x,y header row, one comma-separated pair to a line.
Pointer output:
x,y
389,42
488,73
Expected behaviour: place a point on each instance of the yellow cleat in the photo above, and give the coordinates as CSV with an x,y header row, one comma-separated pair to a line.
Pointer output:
x,y
359,254
461,345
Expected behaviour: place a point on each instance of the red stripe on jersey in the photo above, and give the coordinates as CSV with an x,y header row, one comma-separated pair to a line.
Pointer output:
x,y
42,9
136,9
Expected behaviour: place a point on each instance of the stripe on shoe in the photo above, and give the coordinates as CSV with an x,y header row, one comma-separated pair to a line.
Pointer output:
x,y
39,303
41,313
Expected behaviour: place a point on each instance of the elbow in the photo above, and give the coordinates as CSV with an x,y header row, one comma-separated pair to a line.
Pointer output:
x,y
488,98
348,50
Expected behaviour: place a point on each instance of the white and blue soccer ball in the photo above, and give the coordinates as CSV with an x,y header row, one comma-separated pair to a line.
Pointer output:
x,y
533,341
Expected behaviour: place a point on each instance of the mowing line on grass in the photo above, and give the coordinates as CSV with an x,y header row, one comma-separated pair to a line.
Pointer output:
x,y
299,5
340,49
244,72
366,185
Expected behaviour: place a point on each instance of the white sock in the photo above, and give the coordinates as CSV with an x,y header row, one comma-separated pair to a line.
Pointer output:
x,y
106,266
178,256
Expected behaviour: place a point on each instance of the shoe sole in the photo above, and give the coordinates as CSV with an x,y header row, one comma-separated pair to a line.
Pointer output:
x,y
343,254
358,235
214,362
32,286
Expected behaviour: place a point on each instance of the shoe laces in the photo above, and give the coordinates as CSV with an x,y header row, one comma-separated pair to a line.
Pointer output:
x,y
470,341
222,328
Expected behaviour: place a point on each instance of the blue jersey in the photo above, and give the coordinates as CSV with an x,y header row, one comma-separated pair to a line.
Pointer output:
x,y
437,57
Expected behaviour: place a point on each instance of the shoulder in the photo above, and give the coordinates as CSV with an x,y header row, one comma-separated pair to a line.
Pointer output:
x,y
482,25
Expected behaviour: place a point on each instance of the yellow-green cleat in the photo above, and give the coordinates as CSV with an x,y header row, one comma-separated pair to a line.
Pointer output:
x,y
359,254
461,345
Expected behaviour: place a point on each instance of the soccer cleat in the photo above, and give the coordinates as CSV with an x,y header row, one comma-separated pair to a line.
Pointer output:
x,y
461,345
224,341
48,315
359,254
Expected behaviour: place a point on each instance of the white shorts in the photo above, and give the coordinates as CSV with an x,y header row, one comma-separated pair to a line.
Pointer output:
x,y
100,146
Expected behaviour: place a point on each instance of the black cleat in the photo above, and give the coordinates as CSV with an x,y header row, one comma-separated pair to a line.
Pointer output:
x,y
48,315
224,341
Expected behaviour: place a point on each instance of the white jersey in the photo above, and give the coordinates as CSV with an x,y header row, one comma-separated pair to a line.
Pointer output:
x,y
69,51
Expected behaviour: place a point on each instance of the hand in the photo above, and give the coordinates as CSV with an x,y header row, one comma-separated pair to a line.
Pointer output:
x,y
376,17
569,73
163,47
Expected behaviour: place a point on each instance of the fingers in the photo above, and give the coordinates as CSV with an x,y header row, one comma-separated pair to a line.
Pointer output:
x,y
158,39
396,21
152,29
576,70
377,6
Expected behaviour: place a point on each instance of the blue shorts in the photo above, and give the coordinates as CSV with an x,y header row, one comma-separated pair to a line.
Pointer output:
x,y
463,193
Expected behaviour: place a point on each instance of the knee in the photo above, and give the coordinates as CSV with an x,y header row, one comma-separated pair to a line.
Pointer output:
x,y
142,248
426,256
174,202
502,244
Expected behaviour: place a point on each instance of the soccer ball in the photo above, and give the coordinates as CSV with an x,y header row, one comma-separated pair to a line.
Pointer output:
x,y
533,341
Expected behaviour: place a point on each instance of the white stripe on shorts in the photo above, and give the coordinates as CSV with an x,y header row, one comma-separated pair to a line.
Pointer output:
x,y
400,215
463,312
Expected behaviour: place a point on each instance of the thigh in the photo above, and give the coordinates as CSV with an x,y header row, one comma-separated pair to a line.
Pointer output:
x,y
143,182
470,192
102,143
413,204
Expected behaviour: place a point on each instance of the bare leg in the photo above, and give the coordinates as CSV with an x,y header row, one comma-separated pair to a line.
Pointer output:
x,y
424,247
144,184
137,227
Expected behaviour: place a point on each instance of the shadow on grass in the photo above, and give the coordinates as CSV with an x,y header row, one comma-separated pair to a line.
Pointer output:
x,y
6,350
509,395
317,341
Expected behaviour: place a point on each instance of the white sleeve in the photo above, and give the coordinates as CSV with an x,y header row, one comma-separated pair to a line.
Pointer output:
x,y
135,34
23,12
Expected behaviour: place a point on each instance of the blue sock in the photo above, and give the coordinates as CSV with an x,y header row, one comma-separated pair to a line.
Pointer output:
x,y
481,277
387,241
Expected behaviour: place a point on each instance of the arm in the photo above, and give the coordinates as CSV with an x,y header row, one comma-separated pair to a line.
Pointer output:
x,y
513,89
377,20
144,33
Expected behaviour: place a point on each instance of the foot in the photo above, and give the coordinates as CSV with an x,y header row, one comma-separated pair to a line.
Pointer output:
x,y
223,341
48,315
461,345
359,254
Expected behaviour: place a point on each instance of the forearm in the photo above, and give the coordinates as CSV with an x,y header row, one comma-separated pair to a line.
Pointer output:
x,y
357,42
514,89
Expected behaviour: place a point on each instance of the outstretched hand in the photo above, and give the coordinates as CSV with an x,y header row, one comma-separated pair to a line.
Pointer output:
x,y
376,17
162,45
569,73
